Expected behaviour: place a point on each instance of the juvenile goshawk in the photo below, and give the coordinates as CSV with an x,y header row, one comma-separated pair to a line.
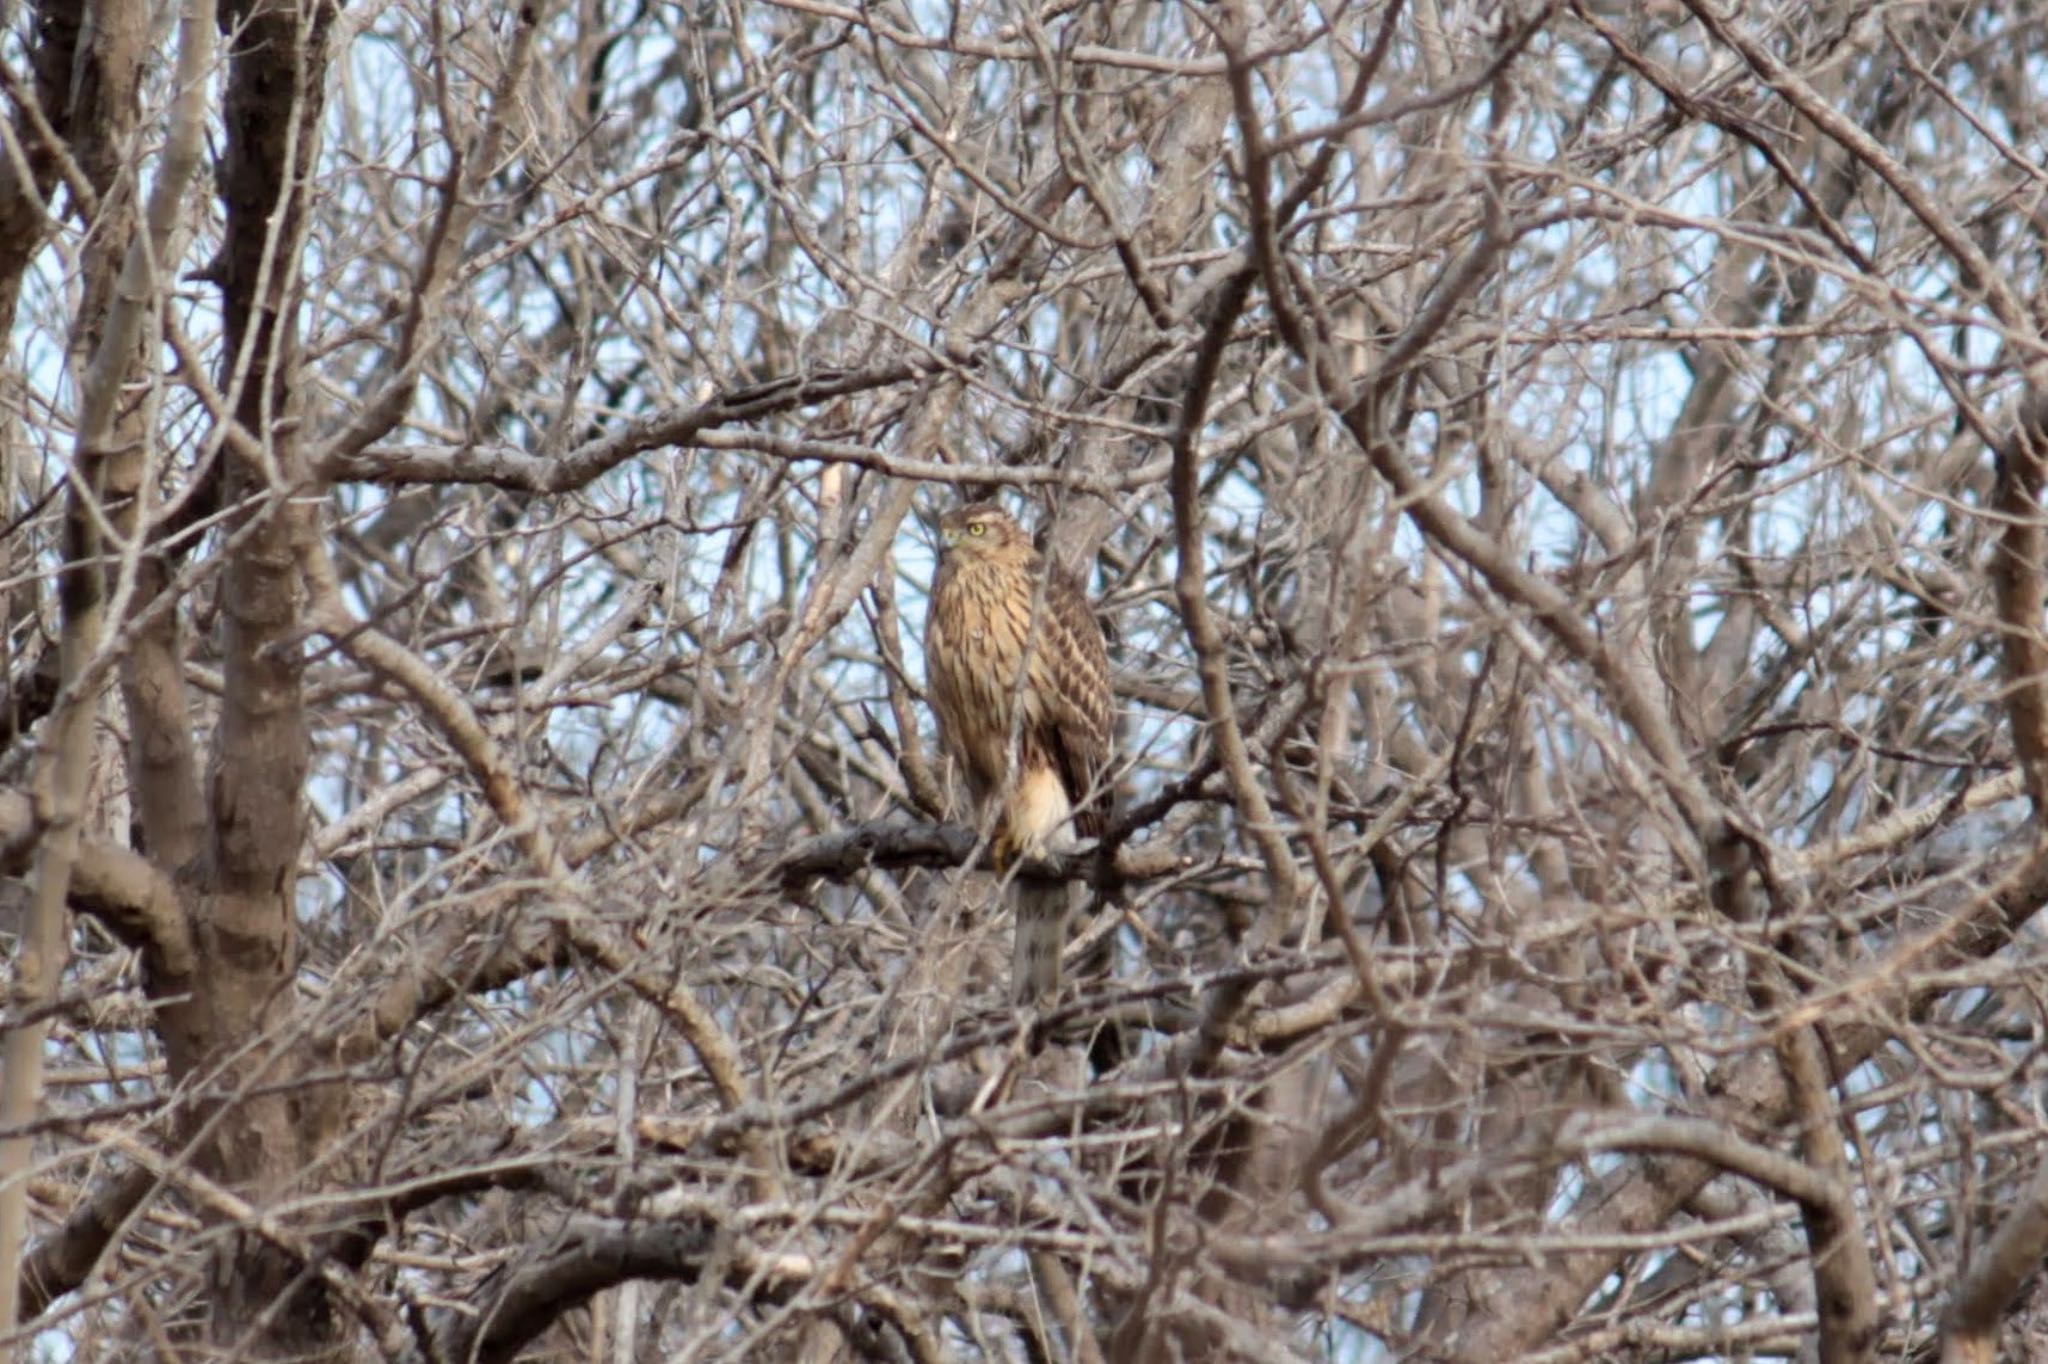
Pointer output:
x,y
1019,680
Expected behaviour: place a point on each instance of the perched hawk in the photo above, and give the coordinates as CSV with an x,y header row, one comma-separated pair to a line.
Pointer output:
x,y
1020,683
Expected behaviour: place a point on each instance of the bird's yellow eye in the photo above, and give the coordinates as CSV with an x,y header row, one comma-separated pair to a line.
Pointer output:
x,y
977,527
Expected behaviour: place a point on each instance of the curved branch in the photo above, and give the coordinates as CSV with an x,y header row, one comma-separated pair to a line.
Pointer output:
x,y
1191,592
584,1260
123,890
517,471
446,709
64,1257
591,1255
1715,1145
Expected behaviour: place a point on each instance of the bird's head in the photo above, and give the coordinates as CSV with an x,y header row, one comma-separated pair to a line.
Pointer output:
x,y
981,530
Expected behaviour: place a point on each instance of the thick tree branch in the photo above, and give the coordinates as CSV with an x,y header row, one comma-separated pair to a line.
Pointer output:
x,y
35,144
584,1259
843,855
64,1257
82,595
124,890
2022,595
1845,1287
1992,1281
1970,1327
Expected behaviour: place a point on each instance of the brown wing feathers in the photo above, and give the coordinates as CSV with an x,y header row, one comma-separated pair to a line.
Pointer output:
x,y
1080,720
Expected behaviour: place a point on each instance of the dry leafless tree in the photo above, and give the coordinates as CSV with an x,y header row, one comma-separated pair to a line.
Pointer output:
x,y
1562,481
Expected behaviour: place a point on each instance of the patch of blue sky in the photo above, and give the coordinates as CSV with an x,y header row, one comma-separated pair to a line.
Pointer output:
x,y
338,782
14,33
1337,1340
563,1054
1575,1180
40,338
1650,1082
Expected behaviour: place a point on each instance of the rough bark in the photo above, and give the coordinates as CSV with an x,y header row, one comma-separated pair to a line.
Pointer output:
x,y
263,1125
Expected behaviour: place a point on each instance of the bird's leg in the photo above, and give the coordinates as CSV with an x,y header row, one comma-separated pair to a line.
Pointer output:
x,y
1006,849
1009,848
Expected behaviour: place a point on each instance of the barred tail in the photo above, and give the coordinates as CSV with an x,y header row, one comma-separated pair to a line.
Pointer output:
x,y
1042,910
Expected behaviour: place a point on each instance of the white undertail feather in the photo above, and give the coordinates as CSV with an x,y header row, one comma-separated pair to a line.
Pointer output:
x,y
1039,814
